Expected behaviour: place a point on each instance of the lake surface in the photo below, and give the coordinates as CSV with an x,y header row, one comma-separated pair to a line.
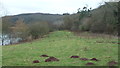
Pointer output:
x,y
8,40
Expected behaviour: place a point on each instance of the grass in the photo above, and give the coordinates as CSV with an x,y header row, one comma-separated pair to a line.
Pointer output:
x,y
62,45
0,56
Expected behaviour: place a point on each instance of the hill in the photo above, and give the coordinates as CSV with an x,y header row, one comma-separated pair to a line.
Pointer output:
x,y
33,17
63,45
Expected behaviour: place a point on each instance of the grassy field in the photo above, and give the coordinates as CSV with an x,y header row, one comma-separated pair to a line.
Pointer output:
x,y
0,56
62,45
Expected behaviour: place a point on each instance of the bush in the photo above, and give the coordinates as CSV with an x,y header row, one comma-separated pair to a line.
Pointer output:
x,y
85,24
39,29
20,30
68,22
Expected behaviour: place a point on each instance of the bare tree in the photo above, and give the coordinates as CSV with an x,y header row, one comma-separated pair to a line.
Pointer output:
x,y
20,30
3,12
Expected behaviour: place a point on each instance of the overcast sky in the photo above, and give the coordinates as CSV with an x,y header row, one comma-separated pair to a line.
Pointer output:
x,y
13,7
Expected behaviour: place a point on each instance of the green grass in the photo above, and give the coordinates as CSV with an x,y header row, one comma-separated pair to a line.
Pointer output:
x,y
0,56
62,45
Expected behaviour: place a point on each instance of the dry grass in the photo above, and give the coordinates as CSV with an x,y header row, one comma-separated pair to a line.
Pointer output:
x,y
94,35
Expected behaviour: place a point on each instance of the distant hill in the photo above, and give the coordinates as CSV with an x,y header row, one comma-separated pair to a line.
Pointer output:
x,y
34,17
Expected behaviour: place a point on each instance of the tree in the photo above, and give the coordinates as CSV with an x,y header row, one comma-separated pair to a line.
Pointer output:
x,y
39,29
78,10
68,22
3,12
5,29
104,19
6,25
20,30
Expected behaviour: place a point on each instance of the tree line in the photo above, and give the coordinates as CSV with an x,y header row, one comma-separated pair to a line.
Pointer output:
x,y
104,19
100,20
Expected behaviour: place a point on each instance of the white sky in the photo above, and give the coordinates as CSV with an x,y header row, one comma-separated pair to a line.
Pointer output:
x,y
13,7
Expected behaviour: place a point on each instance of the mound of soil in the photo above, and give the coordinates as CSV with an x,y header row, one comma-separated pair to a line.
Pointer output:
x,y
50,59
94,59
112,63
36,61
74,57
44,56
90,63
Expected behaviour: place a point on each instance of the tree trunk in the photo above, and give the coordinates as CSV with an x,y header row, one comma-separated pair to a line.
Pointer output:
x,y
2,40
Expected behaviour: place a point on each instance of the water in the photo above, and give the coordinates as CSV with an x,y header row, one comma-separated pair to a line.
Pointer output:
x,y
8,40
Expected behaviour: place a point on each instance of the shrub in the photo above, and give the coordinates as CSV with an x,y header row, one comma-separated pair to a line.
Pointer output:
x,y
39,29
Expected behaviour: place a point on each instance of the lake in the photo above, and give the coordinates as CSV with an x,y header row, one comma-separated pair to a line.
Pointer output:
x,y
8,40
